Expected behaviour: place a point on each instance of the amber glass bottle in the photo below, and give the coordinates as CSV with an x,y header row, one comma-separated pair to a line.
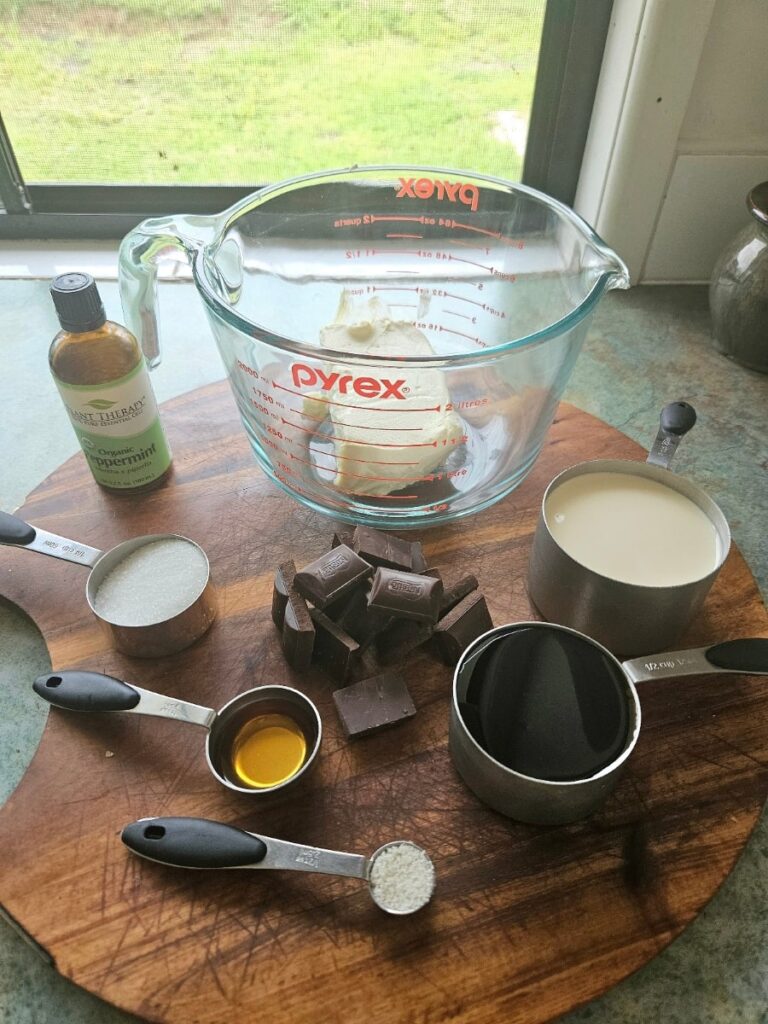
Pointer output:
x,y
101,374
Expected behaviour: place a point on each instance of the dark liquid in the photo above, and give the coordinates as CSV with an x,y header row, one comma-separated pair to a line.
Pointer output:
x,y
548,704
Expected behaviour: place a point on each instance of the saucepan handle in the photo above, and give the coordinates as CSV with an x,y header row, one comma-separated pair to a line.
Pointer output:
x,y
76,690
193,843
748,655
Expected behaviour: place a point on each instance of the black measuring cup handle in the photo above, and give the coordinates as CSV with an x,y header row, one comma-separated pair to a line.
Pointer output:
x,y
76,690
15,531
747,655
20,534
193,843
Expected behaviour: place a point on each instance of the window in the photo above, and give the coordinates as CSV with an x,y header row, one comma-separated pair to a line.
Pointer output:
x,y
119,109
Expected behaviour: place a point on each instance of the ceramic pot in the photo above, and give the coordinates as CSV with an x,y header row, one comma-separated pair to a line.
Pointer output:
x,y
738,292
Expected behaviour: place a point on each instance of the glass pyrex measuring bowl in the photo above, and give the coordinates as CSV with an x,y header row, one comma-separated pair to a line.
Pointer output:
x,y
397,338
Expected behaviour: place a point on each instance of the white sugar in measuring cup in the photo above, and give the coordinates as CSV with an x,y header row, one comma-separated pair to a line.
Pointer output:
x,y
398,888
183,621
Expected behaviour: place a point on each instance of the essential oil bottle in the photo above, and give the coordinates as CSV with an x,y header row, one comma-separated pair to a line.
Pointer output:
x,y
102,377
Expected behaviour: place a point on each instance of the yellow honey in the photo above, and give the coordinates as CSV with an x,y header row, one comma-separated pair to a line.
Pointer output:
x,y
268,750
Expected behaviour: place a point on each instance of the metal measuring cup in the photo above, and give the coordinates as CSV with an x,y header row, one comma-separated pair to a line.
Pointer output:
x,y
200,843
76,690
627,617
147,641
545,802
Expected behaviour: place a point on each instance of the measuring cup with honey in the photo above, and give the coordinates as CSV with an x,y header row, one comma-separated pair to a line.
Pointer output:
x,y
260,741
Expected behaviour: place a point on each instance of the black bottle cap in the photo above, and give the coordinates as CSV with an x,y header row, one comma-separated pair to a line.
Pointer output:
x,y
77,301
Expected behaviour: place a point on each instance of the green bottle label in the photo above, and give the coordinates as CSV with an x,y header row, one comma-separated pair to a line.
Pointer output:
x,y
119,430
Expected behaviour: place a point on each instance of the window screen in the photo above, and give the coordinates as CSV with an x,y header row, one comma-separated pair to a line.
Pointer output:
x,y
173,92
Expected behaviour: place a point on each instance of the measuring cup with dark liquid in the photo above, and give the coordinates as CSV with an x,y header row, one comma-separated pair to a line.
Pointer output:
x,y
261,741
544,718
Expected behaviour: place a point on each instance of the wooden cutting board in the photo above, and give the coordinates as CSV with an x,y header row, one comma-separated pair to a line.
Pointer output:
x,y
526,923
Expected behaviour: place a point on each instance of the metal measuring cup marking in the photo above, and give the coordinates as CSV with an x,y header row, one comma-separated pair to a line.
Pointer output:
x,y
76,690
627,617
202,844
153,640
547,802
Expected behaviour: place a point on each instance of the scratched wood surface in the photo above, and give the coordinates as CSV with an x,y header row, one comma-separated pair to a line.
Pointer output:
x,y
526,923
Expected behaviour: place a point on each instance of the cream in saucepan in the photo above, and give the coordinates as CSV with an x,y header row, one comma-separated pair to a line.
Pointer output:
x,y
633,529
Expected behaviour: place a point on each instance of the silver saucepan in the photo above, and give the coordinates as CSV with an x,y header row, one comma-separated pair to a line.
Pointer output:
x,y
544,718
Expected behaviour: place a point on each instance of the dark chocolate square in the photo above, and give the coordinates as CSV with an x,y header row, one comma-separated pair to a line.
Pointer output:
x,y
331,576
399,639
283,581
406,595
373,704
383,549
464,623
362,622
298,635
335,651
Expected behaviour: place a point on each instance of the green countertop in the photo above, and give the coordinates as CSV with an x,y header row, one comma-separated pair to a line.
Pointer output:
x,y
646,347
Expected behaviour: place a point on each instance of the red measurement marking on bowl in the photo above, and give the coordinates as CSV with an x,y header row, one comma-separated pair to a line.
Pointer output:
x,y
354,405
415,220
300,490
369,444
364,476
471,227
356,426
391,288
350,458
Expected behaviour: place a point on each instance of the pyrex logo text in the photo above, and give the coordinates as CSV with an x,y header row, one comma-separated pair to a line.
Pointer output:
x,y
424,188
365,387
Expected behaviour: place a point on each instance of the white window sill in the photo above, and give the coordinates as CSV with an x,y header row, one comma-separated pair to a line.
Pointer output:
x,y
43,260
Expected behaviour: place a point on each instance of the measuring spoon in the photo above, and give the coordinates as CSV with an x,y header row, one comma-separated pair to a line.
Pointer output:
x,y
200,843
77,690
150,640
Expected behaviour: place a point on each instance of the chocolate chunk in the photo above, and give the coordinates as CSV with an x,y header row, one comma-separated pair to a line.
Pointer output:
x,y
298,637
343,537
335,651
373,703
283,580
390,552
464,623
362,622
406,595
331,576
397,642
458,592
418,561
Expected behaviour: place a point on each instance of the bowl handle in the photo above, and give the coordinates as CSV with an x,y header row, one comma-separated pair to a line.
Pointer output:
x,y
150,242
